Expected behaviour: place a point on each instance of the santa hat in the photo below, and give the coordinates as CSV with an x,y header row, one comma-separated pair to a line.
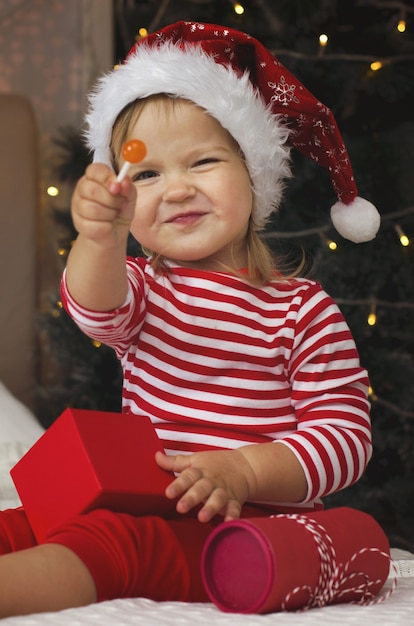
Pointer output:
x,y
244,87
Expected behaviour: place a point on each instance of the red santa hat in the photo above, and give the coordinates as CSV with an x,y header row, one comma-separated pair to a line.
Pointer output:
x,y
263,106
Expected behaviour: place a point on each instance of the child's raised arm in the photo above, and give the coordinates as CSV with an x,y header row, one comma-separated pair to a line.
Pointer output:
x,y
102,210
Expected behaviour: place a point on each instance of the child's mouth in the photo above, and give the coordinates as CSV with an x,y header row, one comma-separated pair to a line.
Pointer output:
x,y
186,218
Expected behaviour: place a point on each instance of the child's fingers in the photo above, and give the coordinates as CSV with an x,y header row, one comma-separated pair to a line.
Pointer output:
x,y
176,463
100,173
163,460
184,484
94,204
94,192
116,188
195,486
102,177
218,505
232,511
196,489
215,500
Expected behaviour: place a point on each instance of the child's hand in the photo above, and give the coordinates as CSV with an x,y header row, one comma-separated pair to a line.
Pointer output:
x,y
102,208
218,479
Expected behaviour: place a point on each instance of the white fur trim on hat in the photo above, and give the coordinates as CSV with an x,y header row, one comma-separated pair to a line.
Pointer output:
x,y
228,97
358,221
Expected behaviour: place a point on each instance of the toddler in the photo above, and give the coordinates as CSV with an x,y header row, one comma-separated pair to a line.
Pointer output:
x,y
250,376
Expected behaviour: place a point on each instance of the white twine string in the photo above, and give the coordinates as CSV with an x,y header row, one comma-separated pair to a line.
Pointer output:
x,y
334,577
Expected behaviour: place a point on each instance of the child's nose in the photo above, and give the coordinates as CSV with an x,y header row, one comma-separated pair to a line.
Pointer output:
x,y
178,188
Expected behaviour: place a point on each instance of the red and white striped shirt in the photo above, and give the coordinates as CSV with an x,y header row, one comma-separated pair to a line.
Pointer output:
x,y
218,363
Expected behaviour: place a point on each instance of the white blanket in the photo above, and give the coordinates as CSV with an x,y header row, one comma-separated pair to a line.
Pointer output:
x,y
397,610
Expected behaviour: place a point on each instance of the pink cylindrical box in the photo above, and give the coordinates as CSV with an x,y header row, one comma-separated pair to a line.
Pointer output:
x,y
263,565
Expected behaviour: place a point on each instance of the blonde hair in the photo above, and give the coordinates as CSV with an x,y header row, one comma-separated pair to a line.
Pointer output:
x,y
262,264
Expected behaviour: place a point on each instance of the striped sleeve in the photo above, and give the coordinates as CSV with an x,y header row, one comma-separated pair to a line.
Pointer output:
x,y
116,328
329,396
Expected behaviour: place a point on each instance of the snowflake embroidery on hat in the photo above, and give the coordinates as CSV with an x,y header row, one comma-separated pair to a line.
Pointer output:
x,y
317,141
326,123
302,121
323,109
345,159
196,26
320,125
230,52
283,92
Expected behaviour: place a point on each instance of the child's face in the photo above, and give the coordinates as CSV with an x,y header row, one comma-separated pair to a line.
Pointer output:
x,y
194,191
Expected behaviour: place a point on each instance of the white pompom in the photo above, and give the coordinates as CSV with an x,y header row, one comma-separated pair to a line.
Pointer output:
x,y
358,221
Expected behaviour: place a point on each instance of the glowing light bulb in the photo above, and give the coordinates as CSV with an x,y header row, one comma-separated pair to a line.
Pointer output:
x,y
323,40
56,311
401,26
404,240
376,65
330,243
52,191
372,317
372,394
238,8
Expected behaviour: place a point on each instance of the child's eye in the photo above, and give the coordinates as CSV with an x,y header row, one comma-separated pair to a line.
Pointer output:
x,y
205,161
144,175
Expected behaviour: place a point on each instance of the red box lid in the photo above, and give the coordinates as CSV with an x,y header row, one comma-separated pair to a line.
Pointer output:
x,y
91,459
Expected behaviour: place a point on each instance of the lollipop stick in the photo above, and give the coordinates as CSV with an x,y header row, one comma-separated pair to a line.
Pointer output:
x,y
123,172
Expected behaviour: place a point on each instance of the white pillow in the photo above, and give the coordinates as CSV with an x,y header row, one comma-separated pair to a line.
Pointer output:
x,y
19,429
17,422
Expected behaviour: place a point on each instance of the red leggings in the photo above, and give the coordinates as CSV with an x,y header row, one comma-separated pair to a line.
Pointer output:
x,y
127,556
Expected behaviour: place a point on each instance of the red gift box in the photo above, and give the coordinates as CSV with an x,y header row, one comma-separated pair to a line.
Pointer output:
x,y
291,562
88,460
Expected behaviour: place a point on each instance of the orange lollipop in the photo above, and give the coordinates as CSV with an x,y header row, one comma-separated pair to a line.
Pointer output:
x,y
133,151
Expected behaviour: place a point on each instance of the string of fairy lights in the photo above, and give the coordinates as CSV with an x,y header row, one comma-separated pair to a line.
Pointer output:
x,y
394,220
399,22
371,304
